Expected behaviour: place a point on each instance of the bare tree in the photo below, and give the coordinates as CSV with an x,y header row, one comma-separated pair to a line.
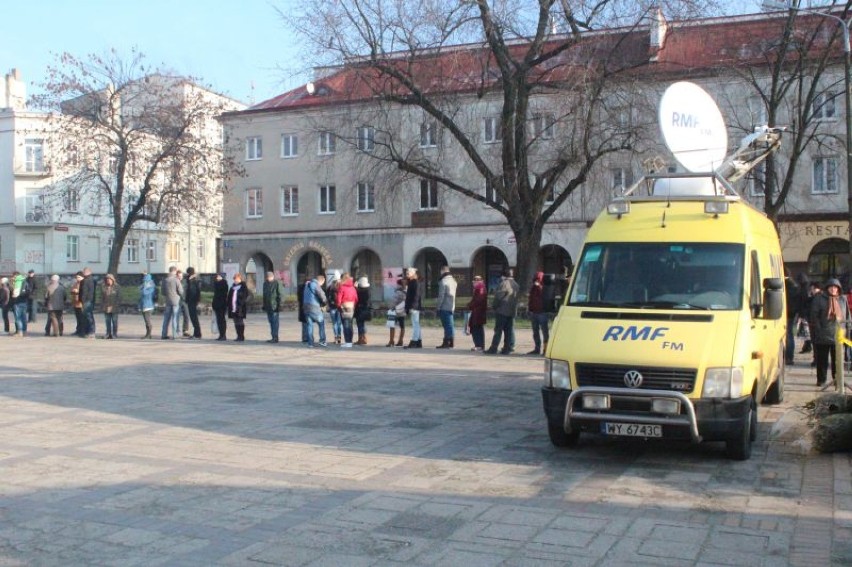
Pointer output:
x,y
794,86
143,141
408,55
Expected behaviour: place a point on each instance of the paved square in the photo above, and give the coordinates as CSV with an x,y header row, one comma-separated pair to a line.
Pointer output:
x,y
186,452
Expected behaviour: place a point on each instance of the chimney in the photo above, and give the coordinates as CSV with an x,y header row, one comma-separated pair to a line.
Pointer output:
x,y
14,91
659,27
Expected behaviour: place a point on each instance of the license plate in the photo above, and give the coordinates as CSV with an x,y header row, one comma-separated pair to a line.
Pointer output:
x,y
632,430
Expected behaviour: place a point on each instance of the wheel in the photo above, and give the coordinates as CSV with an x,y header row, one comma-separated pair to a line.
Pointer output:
x,y
561,439
738,447
775,393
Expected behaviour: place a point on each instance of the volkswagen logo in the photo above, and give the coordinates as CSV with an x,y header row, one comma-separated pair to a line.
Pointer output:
x,y
633,379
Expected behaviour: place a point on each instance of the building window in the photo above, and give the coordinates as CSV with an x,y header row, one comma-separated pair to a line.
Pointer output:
x,y
289,145
621,177
199,250
173,251
132,247
72,200
543,126
327,199
151,251
428,134
825,176
72,248
824,106
254,203
366,138
36,209
289,201
491,193
492,133
327,143
254,148
428,194
366,198
34,154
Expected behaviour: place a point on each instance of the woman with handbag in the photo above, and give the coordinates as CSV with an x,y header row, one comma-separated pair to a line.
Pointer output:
x,y
363,310
347,300
399,313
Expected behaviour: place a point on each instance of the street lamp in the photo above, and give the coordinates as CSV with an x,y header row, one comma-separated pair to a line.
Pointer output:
x,y
847,65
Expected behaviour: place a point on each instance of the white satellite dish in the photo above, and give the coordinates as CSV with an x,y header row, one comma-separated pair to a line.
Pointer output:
x,y
311,88
693,127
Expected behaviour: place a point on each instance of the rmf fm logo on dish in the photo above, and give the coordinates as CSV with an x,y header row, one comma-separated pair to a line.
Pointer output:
x,y
636,333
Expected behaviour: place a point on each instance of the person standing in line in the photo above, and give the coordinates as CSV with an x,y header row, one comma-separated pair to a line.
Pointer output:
x,y
300,297
478,307
19,302
220,304
87,297
273,300
77,305
446,305
54,304
331,289
171,290
539,317
147,301
829,311
313,300
183,312
238,298
5,302
413,307
398,305
110,301
347,302
505,305
815,291
363,309
32,304
193,297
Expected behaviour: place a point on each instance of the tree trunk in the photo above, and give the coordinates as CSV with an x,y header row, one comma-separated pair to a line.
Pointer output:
x,y
527,241
115,252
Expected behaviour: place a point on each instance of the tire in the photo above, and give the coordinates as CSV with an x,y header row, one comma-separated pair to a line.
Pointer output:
x,y
738,447
775,393
561,439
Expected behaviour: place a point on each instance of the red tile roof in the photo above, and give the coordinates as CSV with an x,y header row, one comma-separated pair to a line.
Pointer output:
x,y
691,48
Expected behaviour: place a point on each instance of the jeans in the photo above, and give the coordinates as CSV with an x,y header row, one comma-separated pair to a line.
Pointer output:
x,y
336,322
504,328
347,329
312,317
221,322
540,328
89,312
20,317
31,310
447,322
272,317
362,326
184,318
193,318
790,349
111,322
477,332
415,325
171,314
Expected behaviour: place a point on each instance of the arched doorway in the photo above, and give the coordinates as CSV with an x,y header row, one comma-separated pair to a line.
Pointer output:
x,y
553,259
428,263
367,263
256,269
489,262
830,259
310,265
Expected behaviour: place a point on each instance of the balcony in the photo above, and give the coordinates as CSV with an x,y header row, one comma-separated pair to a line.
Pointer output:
x,y
33,214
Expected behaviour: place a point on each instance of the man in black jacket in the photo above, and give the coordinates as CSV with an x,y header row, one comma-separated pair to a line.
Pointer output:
x,y
193,296
32,304
220,304
273,300
87,297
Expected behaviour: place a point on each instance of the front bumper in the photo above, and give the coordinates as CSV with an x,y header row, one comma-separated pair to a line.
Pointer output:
x,y
710,419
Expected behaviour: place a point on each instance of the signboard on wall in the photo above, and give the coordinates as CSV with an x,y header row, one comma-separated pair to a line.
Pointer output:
x,y
230,268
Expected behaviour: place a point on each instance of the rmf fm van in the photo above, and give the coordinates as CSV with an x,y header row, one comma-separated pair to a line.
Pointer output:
x,y
673,326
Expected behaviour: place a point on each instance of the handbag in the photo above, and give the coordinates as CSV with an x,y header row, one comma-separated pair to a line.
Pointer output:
x,y
391,322
347,309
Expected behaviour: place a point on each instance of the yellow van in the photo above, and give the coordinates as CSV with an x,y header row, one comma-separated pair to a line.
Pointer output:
x,y
674,324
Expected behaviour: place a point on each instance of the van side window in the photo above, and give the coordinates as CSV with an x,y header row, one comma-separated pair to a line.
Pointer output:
x,y
755,292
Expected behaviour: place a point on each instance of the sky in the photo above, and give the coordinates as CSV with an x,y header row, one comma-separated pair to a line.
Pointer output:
x,y
240,48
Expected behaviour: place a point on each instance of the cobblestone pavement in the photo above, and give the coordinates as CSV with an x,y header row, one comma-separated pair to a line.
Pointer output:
x,y
132,452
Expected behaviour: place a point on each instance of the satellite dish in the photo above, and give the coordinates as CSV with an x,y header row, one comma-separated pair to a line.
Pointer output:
x,y
693,127
311,88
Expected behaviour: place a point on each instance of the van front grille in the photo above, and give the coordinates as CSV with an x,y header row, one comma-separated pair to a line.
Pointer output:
x,y
653,377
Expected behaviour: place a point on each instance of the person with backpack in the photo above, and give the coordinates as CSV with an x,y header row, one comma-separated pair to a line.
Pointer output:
x,y
313,301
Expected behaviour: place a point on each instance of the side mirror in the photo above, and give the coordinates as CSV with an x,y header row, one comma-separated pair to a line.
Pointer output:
x,y
773,298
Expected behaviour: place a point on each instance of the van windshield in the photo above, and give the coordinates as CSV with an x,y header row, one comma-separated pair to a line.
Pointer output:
x,y
657,275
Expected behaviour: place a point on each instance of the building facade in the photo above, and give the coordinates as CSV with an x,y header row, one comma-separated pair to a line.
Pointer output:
x,y
55,232
314,198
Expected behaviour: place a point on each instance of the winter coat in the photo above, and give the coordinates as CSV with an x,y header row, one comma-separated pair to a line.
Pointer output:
x,y
793,298
331,294
220,295
242,295
363,310
146,293
446,293
193,290
273,296
506,297
535,303
5,296
76,302
54,297
87,290
171,290
478,305
823,330
20,289
346,292
313,297
398,297
110,297
413,296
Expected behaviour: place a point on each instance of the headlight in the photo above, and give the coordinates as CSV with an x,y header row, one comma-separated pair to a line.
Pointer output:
x,y
557,374
722,382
